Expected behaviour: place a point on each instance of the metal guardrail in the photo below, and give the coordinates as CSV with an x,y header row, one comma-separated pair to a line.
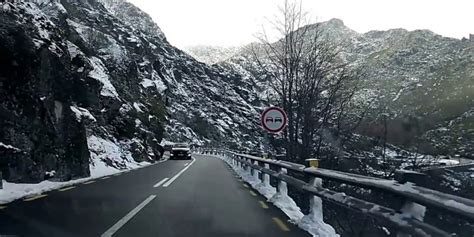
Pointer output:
x,y
412,195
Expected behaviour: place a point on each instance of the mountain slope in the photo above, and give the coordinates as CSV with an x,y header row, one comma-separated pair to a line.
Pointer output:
x,y
96,81
421,79
211,54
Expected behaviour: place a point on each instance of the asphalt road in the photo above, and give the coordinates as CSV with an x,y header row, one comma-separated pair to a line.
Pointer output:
x,y
173,198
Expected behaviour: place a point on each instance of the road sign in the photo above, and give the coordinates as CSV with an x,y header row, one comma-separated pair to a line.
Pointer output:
x,y
274,119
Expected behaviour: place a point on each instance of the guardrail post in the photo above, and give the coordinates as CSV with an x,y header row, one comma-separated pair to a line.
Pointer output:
x,y
1,180
315,203
408,207
255,172
266,177
247,167
239,163
282,187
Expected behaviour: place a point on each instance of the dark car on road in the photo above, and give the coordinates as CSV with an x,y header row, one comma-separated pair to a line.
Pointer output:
x,y
180,151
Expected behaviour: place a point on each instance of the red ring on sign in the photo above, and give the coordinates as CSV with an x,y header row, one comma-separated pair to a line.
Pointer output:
x,y
285,119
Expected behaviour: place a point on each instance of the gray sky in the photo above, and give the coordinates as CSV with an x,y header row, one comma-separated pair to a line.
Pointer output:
x,y
235,22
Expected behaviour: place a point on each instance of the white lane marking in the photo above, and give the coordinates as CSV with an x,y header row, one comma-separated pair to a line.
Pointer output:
x,y
186,164
178,174
160,183
127,218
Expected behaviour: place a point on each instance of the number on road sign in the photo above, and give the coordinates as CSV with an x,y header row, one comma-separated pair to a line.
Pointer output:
x,y
274,119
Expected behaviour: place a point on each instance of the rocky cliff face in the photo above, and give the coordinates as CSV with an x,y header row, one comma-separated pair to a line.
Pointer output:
x,y
84,82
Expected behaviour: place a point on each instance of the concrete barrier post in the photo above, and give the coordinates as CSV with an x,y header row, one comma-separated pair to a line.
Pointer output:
x,y
315,203
266,177
282,186
410,208
256,172
1,180
248,168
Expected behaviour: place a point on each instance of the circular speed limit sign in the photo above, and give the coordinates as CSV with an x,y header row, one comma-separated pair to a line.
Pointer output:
x,y
274,119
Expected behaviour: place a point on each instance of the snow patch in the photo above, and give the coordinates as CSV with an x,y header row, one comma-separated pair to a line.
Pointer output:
x,y
74,51
414,209
82,113
447,162
266,190
102,149
101,74
147,83
288,206
156,82
452,203
398,95
9,147
138,106
125,108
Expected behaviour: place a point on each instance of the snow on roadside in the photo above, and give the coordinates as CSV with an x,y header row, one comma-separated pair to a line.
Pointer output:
x,y
266,190
100,149
14,191
288,206
313,223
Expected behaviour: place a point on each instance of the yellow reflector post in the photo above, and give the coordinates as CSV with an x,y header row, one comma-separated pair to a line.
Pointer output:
x,y
313,163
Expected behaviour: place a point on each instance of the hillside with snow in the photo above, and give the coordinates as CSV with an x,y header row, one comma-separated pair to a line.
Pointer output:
x,y
211,54
113,88
88,82
421,80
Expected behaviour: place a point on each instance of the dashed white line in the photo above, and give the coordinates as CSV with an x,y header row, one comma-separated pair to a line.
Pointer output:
x,y
178,174
127,218
160,183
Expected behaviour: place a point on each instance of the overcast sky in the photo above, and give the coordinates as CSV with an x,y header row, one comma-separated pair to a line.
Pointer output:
x,y
235,22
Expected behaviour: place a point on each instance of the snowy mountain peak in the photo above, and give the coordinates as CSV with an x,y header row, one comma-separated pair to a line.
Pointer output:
x,y
211,54
133,16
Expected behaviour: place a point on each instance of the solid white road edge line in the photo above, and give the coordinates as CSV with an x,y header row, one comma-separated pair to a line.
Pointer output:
x,y
178,174
186,164
127,218
160,183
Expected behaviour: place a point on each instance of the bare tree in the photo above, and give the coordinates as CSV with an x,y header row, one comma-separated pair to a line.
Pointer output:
x,y
311,81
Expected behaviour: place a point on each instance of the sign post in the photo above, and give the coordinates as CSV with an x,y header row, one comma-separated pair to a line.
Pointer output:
x,y
274,120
